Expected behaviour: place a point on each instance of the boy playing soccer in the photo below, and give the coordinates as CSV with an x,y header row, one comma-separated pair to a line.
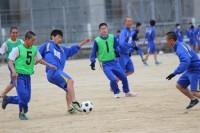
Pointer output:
x,y
57,55
105,49
150,36
23,58
189,66
7,47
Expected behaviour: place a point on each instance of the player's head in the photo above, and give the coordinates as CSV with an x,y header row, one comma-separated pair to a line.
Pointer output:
x,y
190,24
103,29
118,32
138,25
56,36
128,21
152,22
30,38
178,26
13,33
170,38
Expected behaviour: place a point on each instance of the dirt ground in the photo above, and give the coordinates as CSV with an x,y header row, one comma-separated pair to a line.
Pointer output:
x,y
158,108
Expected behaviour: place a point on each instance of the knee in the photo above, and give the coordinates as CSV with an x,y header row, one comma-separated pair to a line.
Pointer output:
x,y
70,82
179,87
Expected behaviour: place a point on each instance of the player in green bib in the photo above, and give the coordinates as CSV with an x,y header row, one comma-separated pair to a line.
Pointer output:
x,y
106,49
6,48
23,58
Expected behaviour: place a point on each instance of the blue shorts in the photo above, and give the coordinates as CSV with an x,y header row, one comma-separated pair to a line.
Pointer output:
x,y
192,79
58,78
126,63
151,47
193,42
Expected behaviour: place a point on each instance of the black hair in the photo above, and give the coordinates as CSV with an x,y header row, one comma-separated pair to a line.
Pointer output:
x,y
171,35
177,24
192,26
152,22
56,32
29,35
118,31
190,23
13,28
102,24
138,24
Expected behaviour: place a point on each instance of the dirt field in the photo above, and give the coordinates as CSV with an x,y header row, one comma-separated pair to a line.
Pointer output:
x,y
158,108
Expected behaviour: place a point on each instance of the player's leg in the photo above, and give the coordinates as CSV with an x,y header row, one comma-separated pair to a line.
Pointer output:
x,y
9,86
117,70
182,85
139,51
129,67
65,82
195,85
154,51
147,54
24,94
113,81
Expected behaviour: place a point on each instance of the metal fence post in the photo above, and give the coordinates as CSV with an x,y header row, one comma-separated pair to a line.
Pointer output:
x,y
64,24
153,9
32,22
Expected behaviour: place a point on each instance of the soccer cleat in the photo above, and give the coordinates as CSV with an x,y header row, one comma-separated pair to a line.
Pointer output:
x,y
192,103
157,63
23,117
131,94
145,63
71,111
116,96
4,102
76,106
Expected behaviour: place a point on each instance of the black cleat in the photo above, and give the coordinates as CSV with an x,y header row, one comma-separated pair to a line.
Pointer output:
x,y
4,102
192,103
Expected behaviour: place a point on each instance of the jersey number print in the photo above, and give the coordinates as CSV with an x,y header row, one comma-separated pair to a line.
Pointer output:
x,y
28,57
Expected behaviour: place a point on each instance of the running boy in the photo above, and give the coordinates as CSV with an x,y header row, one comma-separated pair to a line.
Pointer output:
x,y
7,47
105,49
189,66
150,36
23,58
57,55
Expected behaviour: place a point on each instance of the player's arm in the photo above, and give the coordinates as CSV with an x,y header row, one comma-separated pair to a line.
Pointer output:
x,y
185,60
93,55
38,59
3,48
122,40
116,47
12,56
74,49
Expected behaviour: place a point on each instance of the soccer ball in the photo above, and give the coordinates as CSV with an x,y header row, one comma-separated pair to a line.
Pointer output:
x,y
87,106
161,52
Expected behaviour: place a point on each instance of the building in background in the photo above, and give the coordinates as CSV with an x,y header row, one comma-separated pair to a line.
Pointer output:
x,y
80,18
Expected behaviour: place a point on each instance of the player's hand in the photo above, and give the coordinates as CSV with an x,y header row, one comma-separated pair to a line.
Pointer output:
x,y
87,40
36,62
92,66
14,76
52,67
169,77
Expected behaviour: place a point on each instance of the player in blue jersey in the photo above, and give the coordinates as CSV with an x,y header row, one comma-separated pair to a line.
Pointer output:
x,y
150,36
179,33
135,39
198,39
117,35
106,49
191,34
57,55
189,66
126,45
